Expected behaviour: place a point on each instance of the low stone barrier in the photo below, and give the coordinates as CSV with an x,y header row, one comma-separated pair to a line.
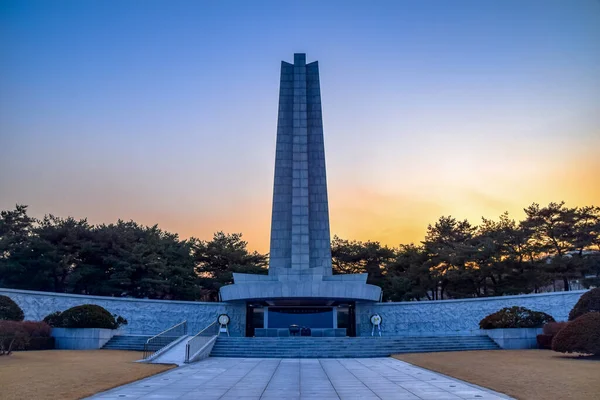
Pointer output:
x,y
515,338
81,338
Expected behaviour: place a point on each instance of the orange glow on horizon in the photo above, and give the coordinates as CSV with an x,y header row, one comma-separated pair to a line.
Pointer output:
x,y
393,218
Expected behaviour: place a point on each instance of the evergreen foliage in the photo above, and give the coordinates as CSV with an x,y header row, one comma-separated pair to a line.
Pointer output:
x,y
515,317
552,247
9,310
85,316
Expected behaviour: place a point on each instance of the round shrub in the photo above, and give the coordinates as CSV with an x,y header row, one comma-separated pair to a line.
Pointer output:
x,y
12,337
54,319
544,340
36,329
582,335
24,335
9,310
515,317
552,328
589,302
88,316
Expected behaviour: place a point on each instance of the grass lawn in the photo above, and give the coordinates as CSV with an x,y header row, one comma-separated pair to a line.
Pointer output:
x,y
523,374
69,374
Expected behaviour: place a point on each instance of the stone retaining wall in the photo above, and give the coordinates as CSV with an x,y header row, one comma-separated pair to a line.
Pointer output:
x,y
417,318
456,317
145,317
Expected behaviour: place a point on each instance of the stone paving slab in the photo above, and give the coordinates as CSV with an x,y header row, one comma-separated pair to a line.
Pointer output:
x,y
300,379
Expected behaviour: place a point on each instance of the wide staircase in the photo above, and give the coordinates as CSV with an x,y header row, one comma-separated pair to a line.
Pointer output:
x,y
355,347
127,342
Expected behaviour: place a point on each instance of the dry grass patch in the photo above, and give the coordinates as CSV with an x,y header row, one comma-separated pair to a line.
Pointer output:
x,y
523,374
70,374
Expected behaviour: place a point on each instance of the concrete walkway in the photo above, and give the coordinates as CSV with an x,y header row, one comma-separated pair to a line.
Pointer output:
x,y
290,379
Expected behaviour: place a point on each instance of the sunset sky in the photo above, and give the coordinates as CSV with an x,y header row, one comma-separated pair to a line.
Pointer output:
x,y
165,111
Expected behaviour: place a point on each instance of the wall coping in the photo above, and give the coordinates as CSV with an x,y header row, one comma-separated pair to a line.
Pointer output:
x,y
55,329
399,303
494,298
91,297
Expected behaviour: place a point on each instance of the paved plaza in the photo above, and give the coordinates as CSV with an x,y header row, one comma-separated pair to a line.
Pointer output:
x,y
322,379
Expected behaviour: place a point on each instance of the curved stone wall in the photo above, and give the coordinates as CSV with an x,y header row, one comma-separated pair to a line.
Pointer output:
x,y
417,318
456,317
147,317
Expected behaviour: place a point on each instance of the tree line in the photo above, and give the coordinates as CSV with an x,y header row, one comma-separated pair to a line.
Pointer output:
x,y
455,260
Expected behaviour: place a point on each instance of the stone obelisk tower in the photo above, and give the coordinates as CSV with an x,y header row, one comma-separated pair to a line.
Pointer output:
x,y
300,257
300,239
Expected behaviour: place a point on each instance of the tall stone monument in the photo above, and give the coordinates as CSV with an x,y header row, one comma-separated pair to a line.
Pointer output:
x,y
300,242
300,256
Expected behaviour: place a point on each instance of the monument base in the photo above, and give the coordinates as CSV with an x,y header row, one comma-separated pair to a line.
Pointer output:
x,y
351,287
324,304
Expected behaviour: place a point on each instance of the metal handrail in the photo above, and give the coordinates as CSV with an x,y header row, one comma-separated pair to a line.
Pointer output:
x,y
195,344
157,342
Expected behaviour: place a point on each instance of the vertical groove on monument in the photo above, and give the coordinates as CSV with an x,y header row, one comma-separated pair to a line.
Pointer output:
x,y
300,245
281,222
320,243
300,238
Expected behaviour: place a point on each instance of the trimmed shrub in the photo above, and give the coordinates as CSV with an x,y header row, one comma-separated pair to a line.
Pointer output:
x,y
40,343
36,329
582,335
9,310
86,316
54,319
12,337
26,335
589,302
552,328
544,340
515,317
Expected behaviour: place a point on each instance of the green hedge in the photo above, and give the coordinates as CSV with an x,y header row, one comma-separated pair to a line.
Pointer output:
x,y
9,310
85,316
515,317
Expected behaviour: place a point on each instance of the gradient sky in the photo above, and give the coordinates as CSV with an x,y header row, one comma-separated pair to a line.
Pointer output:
x,y
165,111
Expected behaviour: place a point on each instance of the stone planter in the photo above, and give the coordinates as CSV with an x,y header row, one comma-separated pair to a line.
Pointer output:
x,y
81,338
515,338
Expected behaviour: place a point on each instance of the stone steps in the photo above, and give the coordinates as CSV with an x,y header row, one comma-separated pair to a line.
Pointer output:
x,y
126,342
307,347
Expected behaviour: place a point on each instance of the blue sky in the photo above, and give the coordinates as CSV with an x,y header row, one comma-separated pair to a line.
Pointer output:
x,y
165,111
